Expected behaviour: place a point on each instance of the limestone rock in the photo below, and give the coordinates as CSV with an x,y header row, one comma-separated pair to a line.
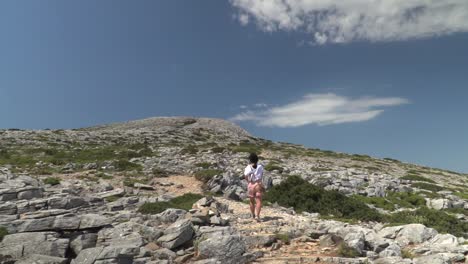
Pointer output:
x,y
177,234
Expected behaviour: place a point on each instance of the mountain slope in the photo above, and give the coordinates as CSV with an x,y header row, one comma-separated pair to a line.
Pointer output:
x,y
108,172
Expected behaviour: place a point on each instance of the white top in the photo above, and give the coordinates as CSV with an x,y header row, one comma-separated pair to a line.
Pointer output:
x,y
257,173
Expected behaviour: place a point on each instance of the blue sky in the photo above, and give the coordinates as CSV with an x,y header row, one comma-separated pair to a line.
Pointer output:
x,y
388,85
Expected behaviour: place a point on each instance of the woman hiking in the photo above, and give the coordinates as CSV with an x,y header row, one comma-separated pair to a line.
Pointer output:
x,y
253,174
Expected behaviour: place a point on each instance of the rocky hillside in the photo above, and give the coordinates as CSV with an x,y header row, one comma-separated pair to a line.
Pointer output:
x,y
167,190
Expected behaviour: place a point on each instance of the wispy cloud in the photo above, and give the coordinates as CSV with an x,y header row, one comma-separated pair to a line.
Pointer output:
x,y
341,21
320,109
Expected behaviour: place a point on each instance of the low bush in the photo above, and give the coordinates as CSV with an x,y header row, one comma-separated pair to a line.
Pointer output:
x,y
160,173
247,148
130,182
125,165
206,175
184,202
112,198
427,186
347,251
104,176
405,253
189,150
52,181
304,196
3,232
283,237
439,220
394,199
413,177
273,166
218,149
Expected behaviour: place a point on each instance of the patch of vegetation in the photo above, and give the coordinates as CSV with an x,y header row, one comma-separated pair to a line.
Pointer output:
x,y
371,168
189,122
206,175
184,202
52,181
104,176
304,196
218,149
394,199
130,182
439,220
189,150
463,195
283,237
88,178
414,177
392,160
3,232
347,251
427,186
160,173
380,202
125,165
43,171
405,253
274,166
359,157
112,198
247,148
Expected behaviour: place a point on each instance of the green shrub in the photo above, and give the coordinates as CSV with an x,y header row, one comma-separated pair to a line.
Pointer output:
x,y
52,181
3,232
184,202
393,199
283,237
380,202
405,253
104,176
439,220
160,173
304,196
130,182
247,147
273,166
406,199
125,165
43,170
206,175
427,186
218,149
346,251
112,198
189,150
204,165
413,177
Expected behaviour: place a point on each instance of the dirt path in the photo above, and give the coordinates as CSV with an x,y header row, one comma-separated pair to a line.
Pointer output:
x,y
277,222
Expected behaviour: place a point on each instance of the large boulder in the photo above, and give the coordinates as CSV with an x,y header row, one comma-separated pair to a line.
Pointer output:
x,y
439,204
407,234
227,249
177,234
25,244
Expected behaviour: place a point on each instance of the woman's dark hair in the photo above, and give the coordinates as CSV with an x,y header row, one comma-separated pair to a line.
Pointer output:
x,y
253,158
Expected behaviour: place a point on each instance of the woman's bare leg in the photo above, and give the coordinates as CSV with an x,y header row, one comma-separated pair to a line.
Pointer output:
x,y
258,205
252,206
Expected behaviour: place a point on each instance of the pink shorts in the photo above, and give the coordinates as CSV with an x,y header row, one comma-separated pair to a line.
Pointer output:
x,y
253,190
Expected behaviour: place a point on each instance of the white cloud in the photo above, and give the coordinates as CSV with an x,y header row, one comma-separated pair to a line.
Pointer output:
x,y
340,21
261,105
243,107
320,109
